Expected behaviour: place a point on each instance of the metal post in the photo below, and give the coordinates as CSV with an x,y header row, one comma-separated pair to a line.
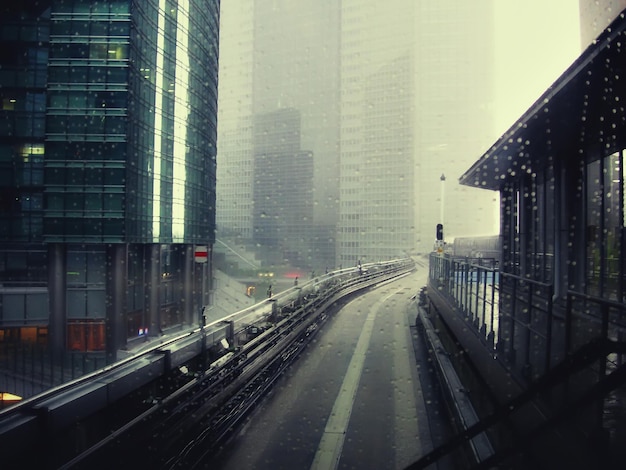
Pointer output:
x,y
441,213
203,349
203,302
549,332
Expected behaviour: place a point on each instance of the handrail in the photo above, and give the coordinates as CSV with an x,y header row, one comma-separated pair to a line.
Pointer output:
x,y
577,361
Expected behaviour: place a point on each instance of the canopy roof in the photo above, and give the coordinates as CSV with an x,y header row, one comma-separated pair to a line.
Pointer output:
x,y
582,113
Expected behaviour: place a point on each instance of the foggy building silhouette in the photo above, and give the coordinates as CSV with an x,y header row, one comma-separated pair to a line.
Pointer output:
x,y
389,97
279,55
595,15
283,190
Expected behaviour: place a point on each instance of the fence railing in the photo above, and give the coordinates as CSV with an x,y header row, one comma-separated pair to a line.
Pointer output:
x,y
27,369
531,332
470,285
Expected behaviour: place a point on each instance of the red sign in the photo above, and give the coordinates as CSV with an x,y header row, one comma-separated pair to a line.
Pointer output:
x,y
202,254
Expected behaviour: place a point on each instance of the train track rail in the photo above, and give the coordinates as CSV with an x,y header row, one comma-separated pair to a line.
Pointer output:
x,y
183,417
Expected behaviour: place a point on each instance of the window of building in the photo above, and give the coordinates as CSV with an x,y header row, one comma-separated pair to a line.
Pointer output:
x,y
604,226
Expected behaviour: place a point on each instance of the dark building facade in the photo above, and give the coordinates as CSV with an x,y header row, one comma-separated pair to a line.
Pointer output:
x,y
558,300
542,325
107,164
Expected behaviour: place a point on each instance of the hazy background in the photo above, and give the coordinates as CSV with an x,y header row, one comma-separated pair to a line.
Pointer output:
x,y
383,99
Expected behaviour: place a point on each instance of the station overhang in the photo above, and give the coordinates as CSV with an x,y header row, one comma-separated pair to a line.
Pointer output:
x,y
582,114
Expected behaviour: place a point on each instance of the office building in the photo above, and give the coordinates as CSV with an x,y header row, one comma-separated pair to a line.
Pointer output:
x,y
279,56
235,123
415,101
107,152
283,191
595,16
377,215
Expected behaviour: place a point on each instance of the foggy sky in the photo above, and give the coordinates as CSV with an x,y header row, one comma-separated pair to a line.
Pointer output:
x,y
274,55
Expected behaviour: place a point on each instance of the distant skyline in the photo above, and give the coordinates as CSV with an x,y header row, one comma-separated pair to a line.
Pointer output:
x,y
518,52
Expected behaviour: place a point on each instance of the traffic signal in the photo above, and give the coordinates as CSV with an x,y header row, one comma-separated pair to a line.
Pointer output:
x,y
439,231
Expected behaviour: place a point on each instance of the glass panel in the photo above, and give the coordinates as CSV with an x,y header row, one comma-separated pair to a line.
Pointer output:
x,y
76,268
612,226
93,202
594,227
98,51
96,303
93,177
12,306
76,304
113,202
99,28
120,6
54,202
96,265
37,306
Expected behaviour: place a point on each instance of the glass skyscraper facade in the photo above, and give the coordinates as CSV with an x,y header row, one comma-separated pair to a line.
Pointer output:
x,y
107,164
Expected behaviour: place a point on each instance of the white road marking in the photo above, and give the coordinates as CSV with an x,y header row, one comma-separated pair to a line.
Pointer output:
x,y
331,444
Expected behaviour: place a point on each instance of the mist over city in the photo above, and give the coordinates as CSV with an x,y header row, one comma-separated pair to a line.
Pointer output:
x,y
371,104
313,234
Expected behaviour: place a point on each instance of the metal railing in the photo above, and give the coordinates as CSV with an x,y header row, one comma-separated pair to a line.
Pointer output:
x,y
473,289
568,353
30,369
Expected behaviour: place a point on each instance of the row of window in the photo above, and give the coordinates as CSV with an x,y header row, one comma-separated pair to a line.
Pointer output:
x,y
89,50
95,124
22,124
85,99
25,227
89,7
86,74
110,27
89,204
81,229
89,176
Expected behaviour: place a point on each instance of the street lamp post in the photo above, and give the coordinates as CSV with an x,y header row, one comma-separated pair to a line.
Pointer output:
x,y
443,181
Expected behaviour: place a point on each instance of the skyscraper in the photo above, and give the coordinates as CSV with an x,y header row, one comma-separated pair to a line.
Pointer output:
x,y
454,108
390,97
283,55
108,160
595,16
377,215
415,105
283,190
235,144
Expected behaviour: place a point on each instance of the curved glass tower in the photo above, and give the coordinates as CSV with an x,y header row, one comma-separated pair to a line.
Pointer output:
x,y
108,164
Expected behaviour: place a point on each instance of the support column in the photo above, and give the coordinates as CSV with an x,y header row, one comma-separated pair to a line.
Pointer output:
x,y
188,287
57,288
116,282
153,280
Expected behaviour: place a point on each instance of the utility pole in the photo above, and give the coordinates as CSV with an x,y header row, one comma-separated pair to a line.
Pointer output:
x,y
443,183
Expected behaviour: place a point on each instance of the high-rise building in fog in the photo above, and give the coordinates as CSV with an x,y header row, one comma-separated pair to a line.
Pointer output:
x,y
235,124
377,215
280,55
107,160
283,190
391,96
415,105
595,16
454,108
